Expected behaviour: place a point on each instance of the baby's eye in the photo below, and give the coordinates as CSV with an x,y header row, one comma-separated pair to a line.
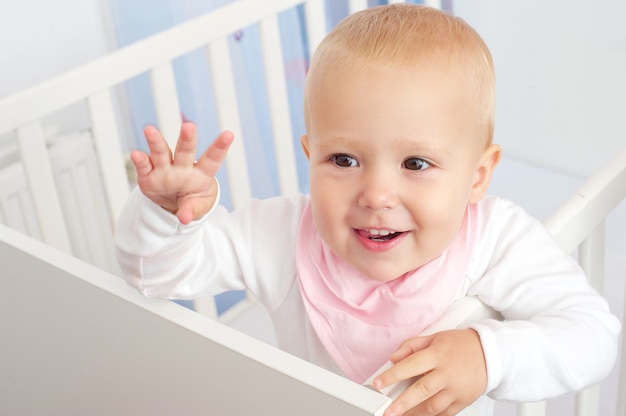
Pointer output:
x,y
345,161
416,163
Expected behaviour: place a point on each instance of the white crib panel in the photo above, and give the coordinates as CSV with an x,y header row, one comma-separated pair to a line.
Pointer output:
x,y
109,151
229,118
315,18
166,102
81,341
38,170
278,102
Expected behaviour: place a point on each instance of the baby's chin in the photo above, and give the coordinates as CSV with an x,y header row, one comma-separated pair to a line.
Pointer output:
x,y
386,277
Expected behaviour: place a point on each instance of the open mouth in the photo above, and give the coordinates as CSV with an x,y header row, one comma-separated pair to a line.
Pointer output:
x,y
380,235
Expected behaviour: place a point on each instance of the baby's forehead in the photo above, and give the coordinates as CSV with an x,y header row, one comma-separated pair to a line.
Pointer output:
x,y
439,69
451,59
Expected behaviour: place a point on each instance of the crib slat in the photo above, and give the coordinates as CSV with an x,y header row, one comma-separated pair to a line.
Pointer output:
x,y
621,387
40,178
591,259
166,102
206,306
109,151
16,206
588,402
433,3
532,409
275,80
356,5
229,118
315,23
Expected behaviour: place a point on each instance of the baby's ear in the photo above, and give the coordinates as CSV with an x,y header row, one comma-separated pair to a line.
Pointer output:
x,y
488,162
304,141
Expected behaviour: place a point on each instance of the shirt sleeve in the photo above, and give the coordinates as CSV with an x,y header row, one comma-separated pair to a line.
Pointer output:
x,y
558,334
221,251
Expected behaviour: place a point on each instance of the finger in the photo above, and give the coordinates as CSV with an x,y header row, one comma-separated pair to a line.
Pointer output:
x,y
142,163
440,404
410,346
160,152
191,208
185,152
212,158
424,397
416,364
185,213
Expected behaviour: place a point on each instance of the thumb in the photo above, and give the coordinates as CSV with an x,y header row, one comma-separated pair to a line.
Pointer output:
x,y
185,213
192,209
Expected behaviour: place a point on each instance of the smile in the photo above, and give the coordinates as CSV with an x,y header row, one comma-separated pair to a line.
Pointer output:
x,y
379,240
381,235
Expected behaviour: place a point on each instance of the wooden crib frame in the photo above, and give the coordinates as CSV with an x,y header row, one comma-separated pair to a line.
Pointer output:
x,y
579,223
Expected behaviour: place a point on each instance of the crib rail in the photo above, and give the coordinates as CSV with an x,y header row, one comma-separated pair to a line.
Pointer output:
x,y
579,223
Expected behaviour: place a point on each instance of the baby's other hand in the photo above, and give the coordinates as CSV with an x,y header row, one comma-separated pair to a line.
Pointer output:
x,y
452,369
179,184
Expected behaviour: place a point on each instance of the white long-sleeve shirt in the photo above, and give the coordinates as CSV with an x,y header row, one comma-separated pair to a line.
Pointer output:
x,y
557,335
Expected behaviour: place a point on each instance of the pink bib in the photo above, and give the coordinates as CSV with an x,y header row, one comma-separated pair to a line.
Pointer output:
x,y
361,321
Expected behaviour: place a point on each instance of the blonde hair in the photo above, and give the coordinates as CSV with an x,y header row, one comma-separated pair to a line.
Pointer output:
x,y
406,34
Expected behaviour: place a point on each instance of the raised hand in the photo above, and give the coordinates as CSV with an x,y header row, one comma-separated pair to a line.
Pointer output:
x,y
452,369
180,184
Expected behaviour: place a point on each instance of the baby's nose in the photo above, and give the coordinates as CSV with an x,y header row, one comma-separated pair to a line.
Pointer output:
x,y
378,193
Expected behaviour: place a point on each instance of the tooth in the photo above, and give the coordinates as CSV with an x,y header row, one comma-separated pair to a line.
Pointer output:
x,y
380,232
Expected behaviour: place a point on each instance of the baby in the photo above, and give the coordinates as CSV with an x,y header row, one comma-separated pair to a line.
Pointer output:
x,y
399,106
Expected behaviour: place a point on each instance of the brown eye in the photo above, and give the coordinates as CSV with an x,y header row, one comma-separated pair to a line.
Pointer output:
x,y
416,163
344,161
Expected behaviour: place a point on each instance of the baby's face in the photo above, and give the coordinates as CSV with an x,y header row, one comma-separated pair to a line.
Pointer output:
x,y
395,157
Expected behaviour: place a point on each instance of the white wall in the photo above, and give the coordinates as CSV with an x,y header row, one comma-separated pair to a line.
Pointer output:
x,y
561,78
42,38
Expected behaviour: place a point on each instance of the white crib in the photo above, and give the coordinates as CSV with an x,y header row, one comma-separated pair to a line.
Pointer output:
x,y
76,215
